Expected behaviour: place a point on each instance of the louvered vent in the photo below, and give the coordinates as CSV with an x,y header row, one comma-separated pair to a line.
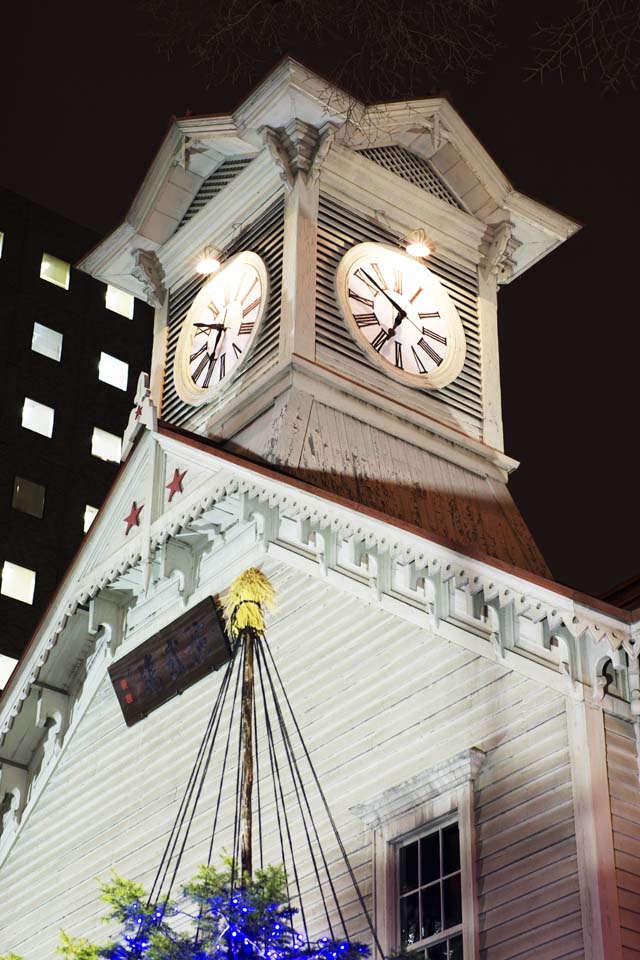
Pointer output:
x,y
265,237
413,168
214,183
339,228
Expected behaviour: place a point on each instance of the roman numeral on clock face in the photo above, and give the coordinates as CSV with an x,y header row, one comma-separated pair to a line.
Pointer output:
x,y
223,367
398,347
245,329
252,306
428,349
207,379
195,376
356,296
214,310
194,356
379,341
397,281
366,319
361,275
236,349
433,335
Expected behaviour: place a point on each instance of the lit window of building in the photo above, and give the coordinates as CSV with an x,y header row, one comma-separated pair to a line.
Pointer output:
x,y
89,516
18,582
28,497
1,242
119,301
46,341
54,270
7,666
37,417
113,371
106,446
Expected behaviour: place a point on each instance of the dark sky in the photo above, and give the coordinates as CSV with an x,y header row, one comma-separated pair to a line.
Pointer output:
x,y
85,102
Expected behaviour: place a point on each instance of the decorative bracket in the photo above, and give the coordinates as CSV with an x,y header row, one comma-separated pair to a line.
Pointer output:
x,y
180,558
105,612
148,270
143,414
499,247
14,784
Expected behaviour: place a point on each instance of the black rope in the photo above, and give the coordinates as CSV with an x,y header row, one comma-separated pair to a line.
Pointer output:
x,y
284,809
295,776
188,793
343,851
259,802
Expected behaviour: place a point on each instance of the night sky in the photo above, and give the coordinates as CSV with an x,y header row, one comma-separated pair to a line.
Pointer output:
x,y
85,103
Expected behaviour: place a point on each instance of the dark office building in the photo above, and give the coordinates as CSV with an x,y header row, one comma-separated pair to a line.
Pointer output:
x,y
71,352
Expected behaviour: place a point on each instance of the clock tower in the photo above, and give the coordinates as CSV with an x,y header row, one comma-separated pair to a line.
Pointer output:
x,y
325,278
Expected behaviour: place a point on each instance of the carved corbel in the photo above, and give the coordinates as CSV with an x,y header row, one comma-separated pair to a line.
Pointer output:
x,y
143,415
180,559
326,141
634,685
274,143
106,614
328,552
267,517
503,624
499,248
14,785
148,270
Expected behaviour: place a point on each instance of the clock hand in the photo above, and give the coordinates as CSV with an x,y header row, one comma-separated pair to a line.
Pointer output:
x,y
383,292
209,326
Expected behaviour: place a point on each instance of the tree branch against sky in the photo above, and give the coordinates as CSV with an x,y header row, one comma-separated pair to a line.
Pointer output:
x,y
380,49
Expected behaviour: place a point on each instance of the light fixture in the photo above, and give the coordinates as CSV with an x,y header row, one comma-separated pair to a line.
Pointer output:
x,y
208,264
418,244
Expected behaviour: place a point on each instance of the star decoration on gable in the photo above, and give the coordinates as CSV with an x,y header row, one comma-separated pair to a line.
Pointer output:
x,y
133,519
138,412
175,486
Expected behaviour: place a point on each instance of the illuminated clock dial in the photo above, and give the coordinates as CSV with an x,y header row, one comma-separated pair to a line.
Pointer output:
x,y
401,315
220,328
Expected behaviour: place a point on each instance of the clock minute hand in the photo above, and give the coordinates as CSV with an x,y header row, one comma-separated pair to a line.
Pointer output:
x,y
383,292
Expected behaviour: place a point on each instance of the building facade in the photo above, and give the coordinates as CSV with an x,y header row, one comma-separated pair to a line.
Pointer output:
x,y
71,358
326,406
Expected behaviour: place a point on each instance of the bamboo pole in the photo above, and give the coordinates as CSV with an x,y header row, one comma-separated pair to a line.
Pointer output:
x,y
247,756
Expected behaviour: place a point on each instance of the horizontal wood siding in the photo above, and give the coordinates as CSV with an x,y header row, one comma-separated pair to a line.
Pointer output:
x,y
528,883
624,790
378,701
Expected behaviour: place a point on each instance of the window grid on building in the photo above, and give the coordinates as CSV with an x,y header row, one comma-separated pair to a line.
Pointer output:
x,y
105,445
37,417
28,497
119,301
17,582
46,341
54,270
429,888
113,371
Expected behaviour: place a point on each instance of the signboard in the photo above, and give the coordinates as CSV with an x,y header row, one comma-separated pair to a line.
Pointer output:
x,y
170,661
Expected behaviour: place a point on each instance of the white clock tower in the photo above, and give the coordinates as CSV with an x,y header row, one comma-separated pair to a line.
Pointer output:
x,y
321,345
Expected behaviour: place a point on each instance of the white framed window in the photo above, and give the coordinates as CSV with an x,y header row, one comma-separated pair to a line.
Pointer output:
x,y
89,516
37,417
28,497
46,341
105,445
18,582
113,371
119,301
54,270
425,882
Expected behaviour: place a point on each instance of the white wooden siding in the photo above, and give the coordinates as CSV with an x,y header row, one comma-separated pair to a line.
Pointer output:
x,y
378,700
624,790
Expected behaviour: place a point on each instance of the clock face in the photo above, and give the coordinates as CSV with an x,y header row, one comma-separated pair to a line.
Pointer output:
x,y
220,328
401,315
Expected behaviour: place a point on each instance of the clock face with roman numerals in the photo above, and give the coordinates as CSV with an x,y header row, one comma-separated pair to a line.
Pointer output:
x,y
220,328
401,315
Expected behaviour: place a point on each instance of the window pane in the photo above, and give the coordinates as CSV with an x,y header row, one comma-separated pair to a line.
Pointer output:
x,y
46,341
37,417
455,948
409,867
105,446
450,849
18,582
7,666
431,911
113,371
1,242
119,301
438,951
430,858
452,901
89,516
28,497
409,919
54,270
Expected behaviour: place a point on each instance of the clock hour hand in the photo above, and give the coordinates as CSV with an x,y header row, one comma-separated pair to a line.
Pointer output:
x,y
209,326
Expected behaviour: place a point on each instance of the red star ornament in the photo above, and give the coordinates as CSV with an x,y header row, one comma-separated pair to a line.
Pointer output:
x,y
138,412
133,520
176,483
